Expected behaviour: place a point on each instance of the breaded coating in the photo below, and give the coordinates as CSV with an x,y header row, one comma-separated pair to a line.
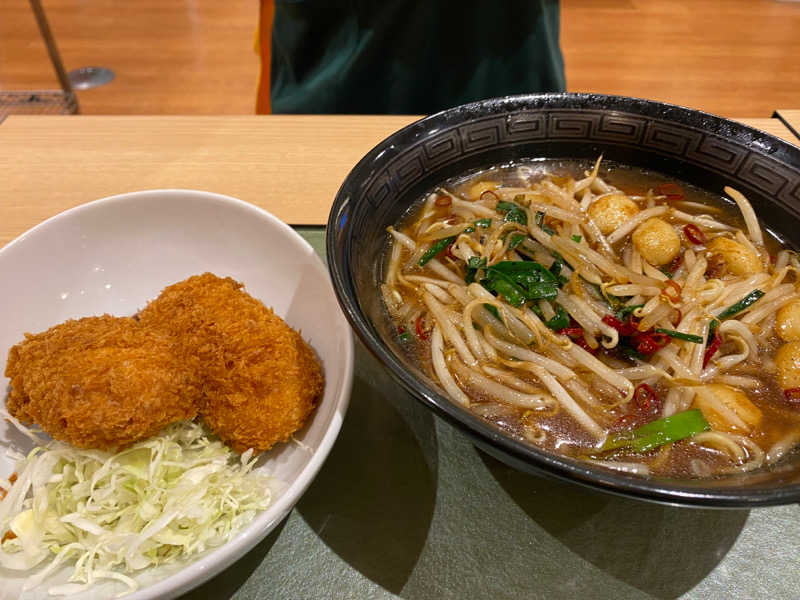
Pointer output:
x,y
261,380
99,382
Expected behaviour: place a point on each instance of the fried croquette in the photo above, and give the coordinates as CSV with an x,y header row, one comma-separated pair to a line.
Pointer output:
x,y
260,379
99,382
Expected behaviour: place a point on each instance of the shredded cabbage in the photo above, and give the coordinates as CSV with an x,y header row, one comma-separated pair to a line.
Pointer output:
x,y
162,499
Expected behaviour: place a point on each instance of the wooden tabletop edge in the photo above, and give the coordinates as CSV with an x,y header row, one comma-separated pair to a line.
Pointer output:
x,y
791,119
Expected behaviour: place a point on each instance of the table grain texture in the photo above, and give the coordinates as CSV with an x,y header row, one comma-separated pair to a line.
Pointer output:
x,y
291,165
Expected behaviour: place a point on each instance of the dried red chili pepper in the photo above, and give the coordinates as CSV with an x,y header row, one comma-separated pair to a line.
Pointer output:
x,y
583,344
633,324
675,264
612,321
648,343
671,291
694,234
644,345
644,342
572,332
645,399
672,191
661,339
624,329
645,405
792,396
575,333
449,251
717,266
712,349
491,196
421,334
443,200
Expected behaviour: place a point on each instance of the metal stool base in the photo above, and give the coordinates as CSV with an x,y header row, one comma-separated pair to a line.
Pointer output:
x,y
44,102
90,77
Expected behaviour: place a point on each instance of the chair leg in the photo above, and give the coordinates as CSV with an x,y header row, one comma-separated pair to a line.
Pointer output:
x,y
55,56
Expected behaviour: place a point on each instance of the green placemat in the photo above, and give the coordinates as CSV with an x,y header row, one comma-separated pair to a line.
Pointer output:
x,y
406,507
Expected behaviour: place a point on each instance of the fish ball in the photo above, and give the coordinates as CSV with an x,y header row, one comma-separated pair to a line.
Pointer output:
x,y
611,211
656,241
787,359
739,259
787,321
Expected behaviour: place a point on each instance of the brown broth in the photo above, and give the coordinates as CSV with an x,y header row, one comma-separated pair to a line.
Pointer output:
x,y
564,436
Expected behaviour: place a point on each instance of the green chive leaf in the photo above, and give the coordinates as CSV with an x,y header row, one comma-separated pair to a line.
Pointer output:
x,y
513,212
742,304
688,337
435,249
663,431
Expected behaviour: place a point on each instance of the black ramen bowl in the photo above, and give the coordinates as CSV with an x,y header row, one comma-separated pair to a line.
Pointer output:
x,y
689,145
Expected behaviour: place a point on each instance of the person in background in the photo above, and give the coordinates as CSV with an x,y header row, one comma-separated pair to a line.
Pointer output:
x,y
401,56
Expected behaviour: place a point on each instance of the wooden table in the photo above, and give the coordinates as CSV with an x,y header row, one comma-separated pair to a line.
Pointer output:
x,y
790,119
405,506
290,165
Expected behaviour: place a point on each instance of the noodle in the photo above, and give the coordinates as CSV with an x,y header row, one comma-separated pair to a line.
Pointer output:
x,y
449,331
555,317
499,391
524,354
440,367
750,220
568,403
633,223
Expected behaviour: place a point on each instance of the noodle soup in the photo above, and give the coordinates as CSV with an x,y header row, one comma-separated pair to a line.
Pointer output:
x,y
606,314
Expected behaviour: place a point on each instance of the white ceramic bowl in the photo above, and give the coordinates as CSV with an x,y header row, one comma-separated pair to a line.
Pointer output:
x,y
115,254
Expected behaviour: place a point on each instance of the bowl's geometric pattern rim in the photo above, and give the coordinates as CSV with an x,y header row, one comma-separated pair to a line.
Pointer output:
x,y
751,159
744,166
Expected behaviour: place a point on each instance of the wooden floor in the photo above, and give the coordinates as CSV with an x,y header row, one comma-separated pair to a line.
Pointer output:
x,y
731,57
736,58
